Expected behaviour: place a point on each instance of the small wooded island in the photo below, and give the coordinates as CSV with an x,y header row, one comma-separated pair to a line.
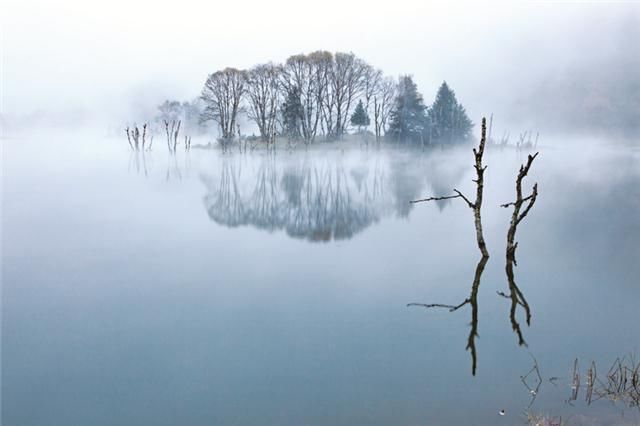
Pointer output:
x,y
317,97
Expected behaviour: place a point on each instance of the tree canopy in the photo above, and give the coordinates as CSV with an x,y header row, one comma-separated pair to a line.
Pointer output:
x,y
448,118
360,118
320,93
409,114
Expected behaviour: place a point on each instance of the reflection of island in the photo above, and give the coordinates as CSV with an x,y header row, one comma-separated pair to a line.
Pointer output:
x,y
329,197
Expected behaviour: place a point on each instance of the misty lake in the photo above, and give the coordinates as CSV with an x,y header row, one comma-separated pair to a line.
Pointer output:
x,y
256,289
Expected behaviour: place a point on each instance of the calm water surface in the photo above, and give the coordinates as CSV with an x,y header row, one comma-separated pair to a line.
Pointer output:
x,y
212,289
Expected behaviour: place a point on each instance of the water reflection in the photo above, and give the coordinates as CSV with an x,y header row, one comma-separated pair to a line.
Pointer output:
x,y
138,163
472,300
177,166
331,198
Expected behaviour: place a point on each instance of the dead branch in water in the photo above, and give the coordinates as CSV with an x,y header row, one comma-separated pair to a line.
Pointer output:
x,y
172,135
439,305
144,135
129,137
515,294
476,206
134,134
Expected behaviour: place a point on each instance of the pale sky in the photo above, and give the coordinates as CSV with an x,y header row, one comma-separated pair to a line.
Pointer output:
x,y
113,57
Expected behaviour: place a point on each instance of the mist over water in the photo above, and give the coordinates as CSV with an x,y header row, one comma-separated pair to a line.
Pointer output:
x,y
204,288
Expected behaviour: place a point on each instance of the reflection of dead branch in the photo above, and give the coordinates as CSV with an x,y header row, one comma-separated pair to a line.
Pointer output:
x,y
575,382
476,207
471,300
518,214
533,391
543,420
591,376
173,170
137,158
438,305
622,383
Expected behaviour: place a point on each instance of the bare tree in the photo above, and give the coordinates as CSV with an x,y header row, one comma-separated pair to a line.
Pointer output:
x,y
322,63
372,78
347,83
222,93
304,76
382,103
262,88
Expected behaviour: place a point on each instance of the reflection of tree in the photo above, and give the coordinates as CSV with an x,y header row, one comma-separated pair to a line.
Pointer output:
x,y
309,199
407,184
226,205
441,176
321,198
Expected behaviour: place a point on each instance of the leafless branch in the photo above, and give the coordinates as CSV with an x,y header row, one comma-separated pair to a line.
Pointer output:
x,y
476,206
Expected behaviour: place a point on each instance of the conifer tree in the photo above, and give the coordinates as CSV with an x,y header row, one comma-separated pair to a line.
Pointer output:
x,y
408,119
292,112
359,118
448,118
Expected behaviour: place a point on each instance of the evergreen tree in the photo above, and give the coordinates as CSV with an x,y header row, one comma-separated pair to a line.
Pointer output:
x,y
448,118
359,118
292,113
408,119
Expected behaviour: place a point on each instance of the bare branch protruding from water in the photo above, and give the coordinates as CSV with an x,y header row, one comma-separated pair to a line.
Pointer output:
x,y
476,206
515,294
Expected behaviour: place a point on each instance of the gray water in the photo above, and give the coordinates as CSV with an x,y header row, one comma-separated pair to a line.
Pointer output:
x,y
248,289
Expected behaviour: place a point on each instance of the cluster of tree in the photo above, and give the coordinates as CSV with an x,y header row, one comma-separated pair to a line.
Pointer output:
x,y
321,93
446,121
189,113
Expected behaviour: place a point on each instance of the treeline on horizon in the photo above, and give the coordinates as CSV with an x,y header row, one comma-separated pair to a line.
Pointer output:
x,y
321,96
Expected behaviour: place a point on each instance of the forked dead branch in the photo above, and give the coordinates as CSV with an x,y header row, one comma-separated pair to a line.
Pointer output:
x,y
476,206
521,207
